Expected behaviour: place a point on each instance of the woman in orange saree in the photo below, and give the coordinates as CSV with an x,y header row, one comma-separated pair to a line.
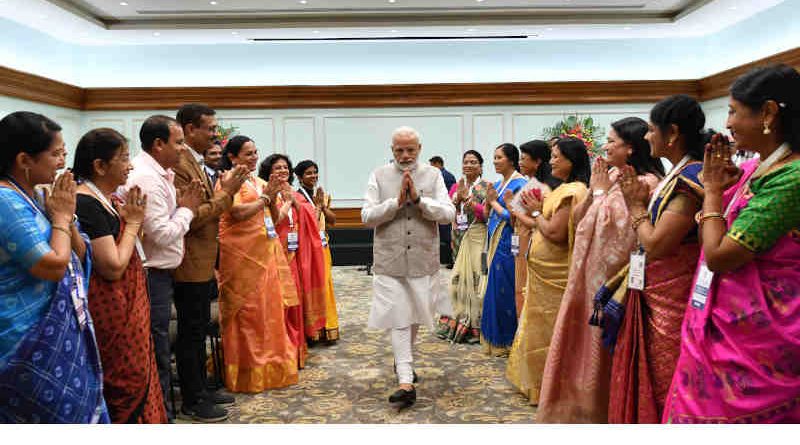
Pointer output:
x,y
307,173
297,228
254,281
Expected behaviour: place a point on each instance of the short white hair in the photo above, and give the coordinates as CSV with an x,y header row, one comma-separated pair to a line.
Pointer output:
x,y
405,131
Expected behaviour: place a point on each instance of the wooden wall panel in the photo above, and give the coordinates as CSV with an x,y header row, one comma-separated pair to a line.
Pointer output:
x,y
40,89
348,218
377,96
717,85
36,88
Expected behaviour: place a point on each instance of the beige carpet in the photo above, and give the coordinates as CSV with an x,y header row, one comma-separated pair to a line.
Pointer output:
x,y
350,381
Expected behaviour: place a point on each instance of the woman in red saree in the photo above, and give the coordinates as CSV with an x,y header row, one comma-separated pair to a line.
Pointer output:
x,y
297,228
118,298
661,269
254,281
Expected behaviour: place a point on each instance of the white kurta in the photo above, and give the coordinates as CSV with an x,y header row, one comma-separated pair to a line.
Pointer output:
x,y
399,302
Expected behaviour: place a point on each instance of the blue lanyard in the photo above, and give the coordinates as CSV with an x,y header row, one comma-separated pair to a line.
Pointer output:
x,y
32,202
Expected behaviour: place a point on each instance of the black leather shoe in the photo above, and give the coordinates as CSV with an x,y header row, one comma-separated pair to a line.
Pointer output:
x,y
407,398
221,398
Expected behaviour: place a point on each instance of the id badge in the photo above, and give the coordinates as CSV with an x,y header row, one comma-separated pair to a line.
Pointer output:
x,y
322,238
270,227
484,262
701,286
515,245
636,272
76,293
292,241
462,223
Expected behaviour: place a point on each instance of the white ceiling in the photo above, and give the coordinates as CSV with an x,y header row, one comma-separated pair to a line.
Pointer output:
x,y
109,22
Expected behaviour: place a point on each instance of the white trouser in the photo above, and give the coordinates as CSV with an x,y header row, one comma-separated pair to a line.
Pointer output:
x,y
402,346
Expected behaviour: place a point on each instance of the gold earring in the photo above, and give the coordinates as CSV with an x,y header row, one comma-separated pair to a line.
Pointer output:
x,y
766,129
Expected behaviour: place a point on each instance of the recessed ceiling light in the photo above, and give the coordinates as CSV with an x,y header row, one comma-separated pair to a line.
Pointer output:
x,y
394,30
212,3
392,1
156,34
627,28
733,8
316,31
303,2
123,3
235,32
471,30
550,29
479,1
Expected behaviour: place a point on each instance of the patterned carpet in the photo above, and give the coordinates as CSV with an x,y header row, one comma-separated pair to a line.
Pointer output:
x,y
350,381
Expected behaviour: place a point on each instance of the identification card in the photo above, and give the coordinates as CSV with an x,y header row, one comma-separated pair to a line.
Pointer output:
x,y
636,272
515,245
484,263
323,238
462,223
701,287
77,294
270,227
293,241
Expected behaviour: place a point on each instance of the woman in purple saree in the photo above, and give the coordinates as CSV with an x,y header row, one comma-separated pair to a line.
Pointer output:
x,y
740,341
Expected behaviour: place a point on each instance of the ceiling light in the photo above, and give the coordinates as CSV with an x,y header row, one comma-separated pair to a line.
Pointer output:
x,y
627,28
394,30
479,1
213,3
235,32
550,29
123,3
732,8
156,34
303,2
471,30
316,31
392,1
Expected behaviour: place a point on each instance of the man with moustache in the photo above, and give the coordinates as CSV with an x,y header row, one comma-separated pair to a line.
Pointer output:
x,y
405,201
195,283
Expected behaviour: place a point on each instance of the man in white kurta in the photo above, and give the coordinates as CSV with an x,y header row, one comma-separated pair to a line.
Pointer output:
x,y
405,202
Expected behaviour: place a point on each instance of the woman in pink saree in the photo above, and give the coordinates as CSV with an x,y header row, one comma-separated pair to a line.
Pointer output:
x,y
577,373
740,341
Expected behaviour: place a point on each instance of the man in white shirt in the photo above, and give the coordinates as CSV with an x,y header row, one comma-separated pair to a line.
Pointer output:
x,y
167,218
405,201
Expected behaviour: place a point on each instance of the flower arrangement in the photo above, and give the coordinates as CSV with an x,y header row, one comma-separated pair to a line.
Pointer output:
x,y
225,133
579,127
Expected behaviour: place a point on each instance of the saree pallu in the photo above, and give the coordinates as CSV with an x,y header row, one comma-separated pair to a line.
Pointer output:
x,y
499,314
331,332
121,311
255,280
521,265
577,374
740,354
649,341
54,373
466,292
311,269
548,266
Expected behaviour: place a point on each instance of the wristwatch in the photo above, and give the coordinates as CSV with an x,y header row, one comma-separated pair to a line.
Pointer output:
x,y
536,213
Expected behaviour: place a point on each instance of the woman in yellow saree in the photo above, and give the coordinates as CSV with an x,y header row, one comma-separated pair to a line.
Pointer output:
x,y
307,173
548,264
254,279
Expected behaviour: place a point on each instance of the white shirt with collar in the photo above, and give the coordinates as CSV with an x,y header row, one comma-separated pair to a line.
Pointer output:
x,y
165,224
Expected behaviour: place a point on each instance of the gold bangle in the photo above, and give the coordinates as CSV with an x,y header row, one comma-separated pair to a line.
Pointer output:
x,y
63,229
712,215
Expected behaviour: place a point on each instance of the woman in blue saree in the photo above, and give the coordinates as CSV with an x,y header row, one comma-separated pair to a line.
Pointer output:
x,y
499,319
49,363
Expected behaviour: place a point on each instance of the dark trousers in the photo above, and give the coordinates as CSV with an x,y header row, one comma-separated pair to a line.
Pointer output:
x,y
193,302
160,287
445,237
